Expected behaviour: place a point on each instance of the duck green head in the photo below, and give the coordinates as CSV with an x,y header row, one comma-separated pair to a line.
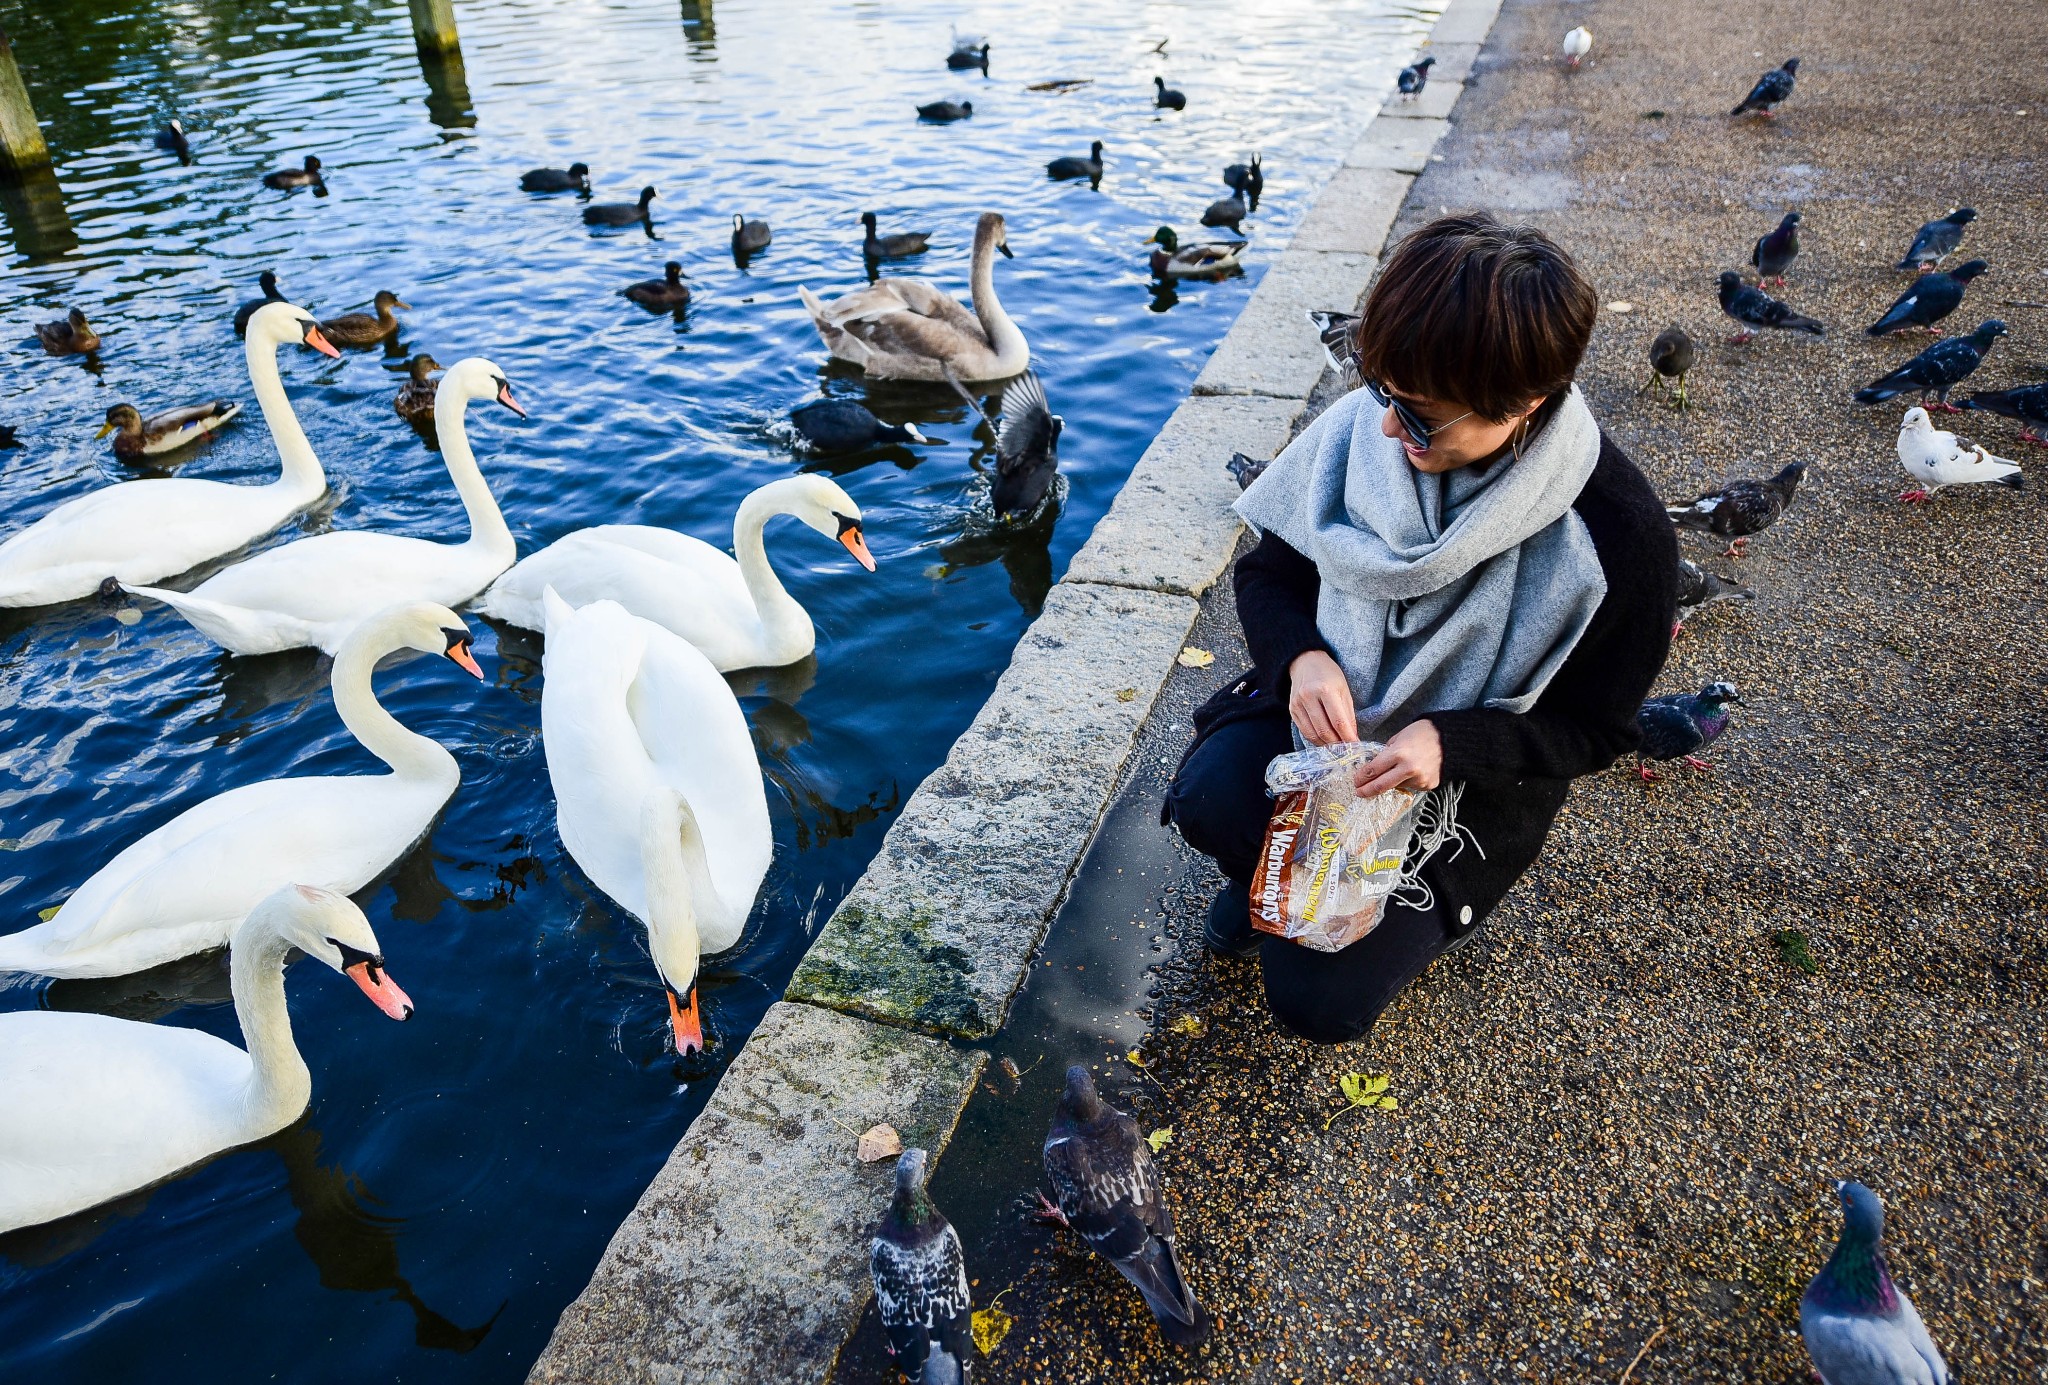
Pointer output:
x,y
1164,236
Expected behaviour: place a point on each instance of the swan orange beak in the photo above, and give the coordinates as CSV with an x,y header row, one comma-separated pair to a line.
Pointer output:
x,y
381,989
505,398
687,1023
856,542
319,343
459,652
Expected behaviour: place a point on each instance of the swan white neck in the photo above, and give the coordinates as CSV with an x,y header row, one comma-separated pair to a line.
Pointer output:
x,y
279,1084
1003,334
784,621
682,902
410,755
302,473
488,532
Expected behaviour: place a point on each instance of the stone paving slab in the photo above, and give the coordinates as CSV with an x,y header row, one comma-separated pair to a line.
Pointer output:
x,y
1272,348
1398,142
720,1276
1171,527
1453,64
1354,211
1464,21
939,931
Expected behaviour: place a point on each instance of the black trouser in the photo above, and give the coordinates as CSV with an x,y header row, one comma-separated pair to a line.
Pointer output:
x,y
1219,802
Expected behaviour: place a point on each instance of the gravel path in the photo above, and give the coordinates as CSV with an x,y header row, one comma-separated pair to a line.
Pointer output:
x,y
1619,1107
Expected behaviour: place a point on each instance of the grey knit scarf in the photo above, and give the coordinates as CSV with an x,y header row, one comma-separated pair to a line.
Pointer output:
x,y
1439,592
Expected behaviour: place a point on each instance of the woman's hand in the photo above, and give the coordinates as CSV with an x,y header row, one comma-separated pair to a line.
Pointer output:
x,y
1320,702
1413,759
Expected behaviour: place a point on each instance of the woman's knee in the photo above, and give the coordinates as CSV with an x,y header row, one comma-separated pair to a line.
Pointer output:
x,y
1218,800
1320,1014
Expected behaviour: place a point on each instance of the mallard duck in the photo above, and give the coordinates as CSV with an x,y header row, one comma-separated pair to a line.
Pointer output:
x,y
669,292
904,329
896,246
1246,180
363,329
943,111
267,280
1225,211
1164,95
172,140
749,236
1209,260
136,436
574,178
841,425
620,213
415,401
73,336
1073,167
306,177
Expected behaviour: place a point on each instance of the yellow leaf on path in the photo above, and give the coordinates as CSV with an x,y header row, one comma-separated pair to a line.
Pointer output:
x,y
1191,657
1160,1138
1387,1103
990,1326
1135,1058
880,1142
1186,1024
1126,694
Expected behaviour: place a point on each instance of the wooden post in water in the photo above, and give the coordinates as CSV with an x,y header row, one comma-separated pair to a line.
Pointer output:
x,y
21,139
433,26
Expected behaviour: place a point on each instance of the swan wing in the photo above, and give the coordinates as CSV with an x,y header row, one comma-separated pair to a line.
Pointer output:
x,y
882,297
137,532
92,1107
678,582
926,300
346,575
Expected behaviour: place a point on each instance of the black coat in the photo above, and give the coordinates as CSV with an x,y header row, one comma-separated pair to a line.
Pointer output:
x,y
1515,766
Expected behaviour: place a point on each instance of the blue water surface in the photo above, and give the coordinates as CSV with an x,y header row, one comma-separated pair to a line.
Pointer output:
x,y
458,1176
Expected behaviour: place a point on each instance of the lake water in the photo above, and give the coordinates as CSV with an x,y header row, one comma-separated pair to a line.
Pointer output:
x,y
457,1177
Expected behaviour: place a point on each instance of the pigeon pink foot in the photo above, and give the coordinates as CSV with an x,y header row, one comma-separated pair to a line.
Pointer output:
x,y
1049,1212
1915,496
1697,763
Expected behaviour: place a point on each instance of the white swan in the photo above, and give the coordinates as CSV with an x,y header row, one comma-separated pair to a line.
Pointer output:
x,y
147,530
184,887
657,789
904,329
313,591
733,609
92,1107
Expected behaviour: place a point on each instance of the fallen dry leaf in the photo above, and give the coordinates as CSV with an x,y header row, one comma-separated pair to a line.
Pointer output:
x,y
1186,1024
1160,1138
1191,657
1126,694
990,1326
880,1142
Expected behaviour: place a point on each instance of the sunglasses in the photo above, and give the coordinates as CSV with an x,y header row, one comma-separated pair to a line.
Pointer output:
x,y
1411,422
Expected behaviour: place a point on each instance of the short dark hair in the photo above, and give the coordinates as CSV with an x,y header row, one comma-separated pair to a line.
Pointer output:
x,y
1474,312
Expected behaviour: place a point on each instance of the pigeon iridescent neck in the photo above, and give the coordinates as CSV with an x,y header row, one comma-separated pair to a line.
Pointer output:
x,y
1855,1278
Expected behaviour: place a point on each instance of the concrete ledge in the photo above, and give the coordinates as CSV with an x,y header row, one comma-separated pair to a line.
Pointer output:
x,y
938,933
1463,21
1434,103
745,1260
1171,527
1354,211
1272,349
1453,64
1398,142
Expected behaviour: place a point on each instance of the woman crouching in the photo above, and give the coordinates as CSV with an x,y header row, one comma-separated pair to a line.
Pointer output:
x,y
1454,560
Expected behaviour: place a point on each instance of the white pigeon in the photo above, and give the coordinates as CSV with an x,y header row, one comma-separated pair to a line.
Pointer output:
x,y
1938,460
1577,44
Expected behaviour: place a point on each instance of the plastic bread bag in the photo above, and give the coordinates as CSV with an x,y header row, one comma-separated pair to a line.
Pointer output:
x,y
1332,859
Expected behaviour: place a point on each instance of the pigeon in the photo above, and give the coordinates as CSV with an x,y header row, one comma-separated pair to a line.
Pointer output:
x,y
1577,44
1166,96
1771,88
1226,211
1740,509
1859,1329
1774,253
1754,308
1338,332
1246,470
945,111
173,140
1699,588
1671,358
1938,460
622,213
1672,728
1027,447
1415,77
895,246
267,281
920,1277
841,425
2028,404
748,237
1246,180
1937,240
1932,298
574,178
1073,166
1109,1192
1936,370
